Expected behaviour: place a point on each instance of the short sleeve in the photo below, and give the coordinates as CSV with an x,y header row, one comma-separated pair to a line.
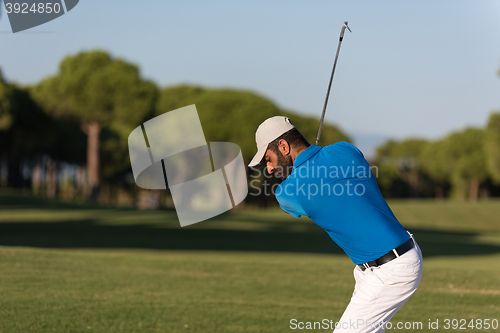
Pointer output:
x,y
290,211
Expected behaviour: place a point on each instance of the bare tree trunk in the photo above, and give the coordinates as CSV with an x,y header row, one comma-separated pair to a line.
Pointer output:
x,y
439,192
413,182
474,190
51,178
36,178
93,130
484,193
81,181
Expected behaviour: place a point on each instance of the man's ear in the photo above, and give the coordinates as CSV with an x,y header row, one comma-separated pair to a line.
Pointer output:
x,y
284,147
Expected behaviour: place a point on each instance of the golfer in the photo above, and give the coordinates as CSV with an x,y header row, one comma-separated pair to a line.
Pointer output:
x,y
335,187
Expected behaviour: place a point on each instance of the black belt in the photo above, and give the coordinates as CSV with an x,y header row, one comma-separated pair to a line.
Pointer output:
x,y
400,250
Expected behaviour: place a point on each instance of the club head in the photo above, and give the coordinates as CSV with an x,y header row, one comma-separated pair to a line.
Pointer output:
x,y
345,25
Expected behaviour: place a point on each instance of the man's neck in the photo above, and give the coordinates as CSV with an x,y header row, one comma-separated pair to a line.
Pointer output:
x,y
296,151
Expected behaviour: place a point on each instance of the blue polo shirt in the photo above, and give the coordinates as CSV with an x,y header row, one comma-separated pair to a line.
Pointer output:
x,y
335,187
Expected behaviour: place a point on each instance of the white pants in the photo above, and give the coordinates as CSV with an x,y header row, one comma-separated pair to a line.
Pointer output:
x,y
380,292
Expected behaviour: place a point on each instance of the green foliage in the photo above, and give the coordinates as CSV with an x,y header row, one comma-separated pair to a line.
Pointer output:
x,y
94,87
225,115
435,163
114,155
492,146
400,161
465,153
308,126
405,154
233,116
390,183
459,159
30,130
91,86
5,104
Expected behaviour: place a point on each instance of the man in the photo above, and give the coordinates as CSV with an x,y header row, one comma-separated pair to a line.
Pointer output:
x,y
335,187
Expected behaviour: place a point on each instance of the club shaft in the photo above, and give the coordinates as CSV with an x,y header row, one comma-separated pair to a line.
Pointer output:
x,y
330,84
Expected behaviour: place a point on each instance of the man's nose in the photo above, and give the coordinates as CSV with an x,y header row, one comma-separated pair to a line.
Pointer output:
x,y
270,168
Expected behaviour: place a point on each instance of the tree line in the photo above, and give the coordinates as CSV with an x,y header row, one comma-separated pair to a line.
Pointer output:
x,y
66,136
463,165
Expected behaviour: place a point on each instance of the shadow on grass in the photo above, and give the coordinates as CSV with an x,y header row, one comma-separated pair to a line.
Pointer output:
x,y
16,199
87,234
279,235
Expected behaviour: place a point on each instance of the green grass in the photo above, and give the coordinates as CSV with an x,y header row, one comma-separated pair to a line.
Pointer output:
x,y
67,268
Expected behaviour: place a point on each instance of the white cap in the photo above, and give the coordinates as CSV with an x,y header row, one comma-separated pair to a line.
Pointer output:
x,y
271,129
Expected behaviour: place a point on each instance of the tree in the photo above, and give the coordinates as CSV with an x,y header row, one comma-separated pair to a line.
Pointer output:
x,y
5,101
437,166
467,158
233,116
29,132
98,91
404,157
308,126
492,146
225,115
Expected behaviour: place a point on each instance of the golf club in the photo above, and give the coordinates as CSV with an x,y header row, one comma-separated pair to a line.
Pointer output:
x,y
344,26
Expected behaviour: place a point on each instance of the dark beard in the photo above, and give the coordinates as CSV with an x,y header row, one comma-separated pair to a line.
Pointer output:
x,y
284,167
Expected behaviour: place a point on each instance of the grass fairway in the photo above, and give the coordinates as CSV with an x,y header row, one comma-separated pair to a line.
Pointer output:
x,y
65,268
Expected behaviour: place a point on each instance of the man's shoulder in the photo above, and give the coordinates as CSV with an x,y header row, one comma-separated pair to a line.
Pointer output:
x,y
342,147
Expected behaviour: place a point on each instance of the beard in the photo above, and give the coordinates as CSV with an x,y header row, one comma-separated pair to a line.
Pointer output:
x,y
284,167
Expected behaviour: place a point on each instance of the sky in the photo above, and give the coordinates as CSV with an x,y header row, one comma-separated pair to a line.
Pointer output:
x,y
409,68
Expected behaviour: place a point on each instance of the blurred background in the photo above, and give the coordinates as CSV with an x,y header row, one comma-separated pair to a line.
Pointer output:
x,y
416,89
417,96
